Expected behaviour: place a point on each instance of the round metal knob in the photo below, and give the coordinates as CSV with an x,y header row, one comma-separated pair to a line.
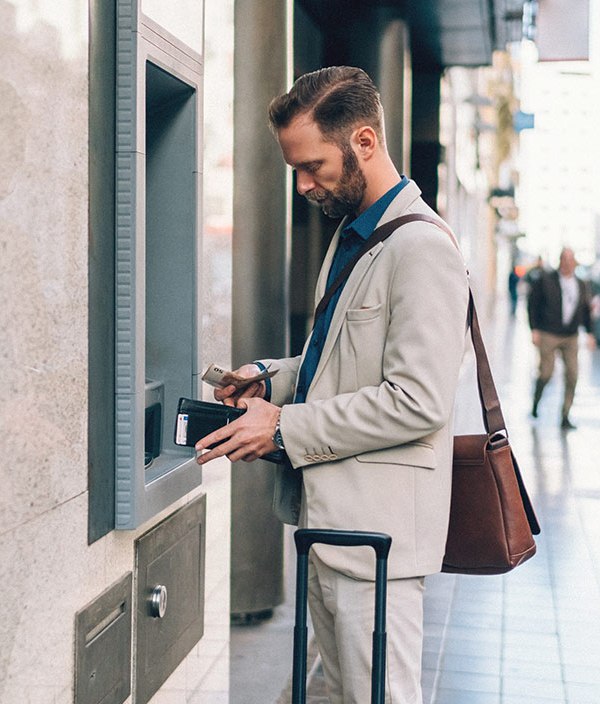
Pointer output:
x,y
158,601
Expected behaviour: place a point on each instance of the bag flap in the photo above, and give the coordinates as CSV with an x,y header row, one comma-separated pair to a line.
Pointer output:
x,y
470,449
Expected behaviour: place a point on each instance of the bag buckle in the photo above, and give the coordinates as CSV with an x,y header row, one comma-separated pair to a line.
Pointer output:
x,y
498,439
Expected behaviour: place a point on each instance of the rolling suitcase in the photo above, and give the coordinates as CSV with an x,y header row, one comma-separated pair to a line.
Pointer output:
x,y
381,543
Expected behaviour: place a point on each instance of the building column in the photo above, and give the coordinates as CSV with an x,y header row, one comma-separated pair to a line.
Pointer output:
x,y
260,281
394,81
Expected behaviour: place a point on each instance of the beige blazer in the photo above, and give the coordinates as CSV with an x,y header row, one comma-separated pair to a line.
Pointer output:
x,y
373,440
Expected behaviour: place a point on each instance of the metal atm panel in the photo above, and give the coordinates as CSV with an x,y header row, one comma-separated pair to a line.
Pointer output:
x,y
103,647
170,595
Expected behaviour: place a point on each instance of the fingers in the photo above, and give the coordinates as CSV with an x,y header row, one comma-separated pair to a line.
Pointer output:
x,y
218,438
225,394
230,395
229,450
251,391
246,438
231,441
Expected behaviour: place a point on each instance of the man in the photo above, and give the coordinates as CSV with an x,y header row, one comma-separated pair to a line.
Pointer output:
x,y
364,414
558,305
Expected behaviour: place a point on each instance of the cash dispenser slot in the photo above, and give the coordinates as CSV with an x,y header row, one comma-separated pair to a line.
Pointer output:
x,y
170,256
153,420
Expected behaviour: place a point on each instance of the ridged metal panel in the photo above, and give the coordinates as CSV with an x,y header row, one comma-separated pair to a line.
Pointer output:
x,y
125,335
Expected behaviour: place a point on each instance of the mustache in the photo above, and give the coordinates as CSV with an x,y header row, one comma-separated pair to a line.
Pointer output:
x,y
317,196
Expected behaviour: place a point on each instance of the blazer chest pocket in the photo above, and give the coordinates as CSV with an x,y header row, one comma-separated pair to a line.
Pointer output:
x,y
363,314
412,454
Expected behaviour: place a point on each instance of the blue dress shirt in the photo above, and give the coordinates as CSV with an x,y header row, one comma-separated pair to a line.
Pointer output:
x,y
352,238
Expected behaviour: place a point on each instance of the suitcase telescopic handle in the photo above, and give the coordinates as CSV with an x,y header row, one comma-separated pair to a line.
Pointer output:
x,y
305,537
381,543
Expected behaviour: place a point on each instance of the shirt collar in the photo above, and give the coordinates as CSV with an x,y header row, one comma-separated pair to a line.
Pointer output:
x,y
366,222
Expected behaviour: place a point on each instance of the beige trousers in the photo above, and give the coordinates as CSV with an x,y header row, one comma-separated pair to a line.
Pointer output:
x,y
342,611
568,349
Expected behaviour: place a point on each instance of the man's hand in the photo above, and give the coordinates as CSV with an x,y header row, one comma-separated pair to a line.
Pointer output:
x,y
591,341
246,438
231,396
535,337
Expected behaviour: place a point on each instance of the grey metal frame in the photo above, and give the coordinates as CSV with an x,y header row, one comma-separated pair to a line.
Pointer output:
x,y
141,494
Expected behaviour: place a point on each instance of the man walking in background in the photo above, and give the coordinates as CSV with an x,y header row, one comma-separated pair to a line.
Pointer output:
x,y
558,305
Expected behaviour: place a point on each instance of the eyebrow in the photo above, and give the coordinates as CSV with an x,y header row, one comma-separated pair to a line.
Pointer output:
x,y
308,165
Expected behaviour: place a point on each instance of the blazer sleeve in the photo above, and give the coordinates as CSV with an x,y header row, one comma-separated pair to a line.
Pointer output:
x,y
534,303
585,307
422,354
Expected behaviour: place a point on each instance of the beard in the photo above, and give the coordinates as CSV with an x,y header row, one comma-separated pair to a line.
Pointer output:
x,y
349,193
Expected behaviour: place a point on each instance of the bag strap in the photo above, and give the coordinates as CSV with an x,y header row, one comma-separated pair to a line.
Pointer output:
x,y
493,419
378,235
491,411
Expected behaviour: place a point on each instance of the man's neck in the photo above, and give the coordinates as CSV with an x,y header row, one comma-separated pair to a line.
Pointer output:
x,y
382,175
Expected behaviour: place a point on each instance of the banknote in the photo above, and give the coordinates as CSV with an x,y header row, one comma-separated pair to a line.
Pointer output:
x,y
220,378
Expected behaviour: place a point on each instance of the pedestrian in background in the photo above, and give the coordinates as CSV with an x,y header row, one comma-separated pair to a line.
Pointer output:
x,y
558,305
513,289
365,413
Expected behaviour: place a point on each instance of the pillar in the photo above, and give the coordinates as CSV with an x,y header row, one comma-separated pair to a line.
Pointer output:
x,y
260,281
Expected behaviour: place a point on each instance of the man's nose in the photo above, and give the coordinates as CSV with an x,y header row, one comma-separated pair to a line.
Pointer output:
x,y
304,183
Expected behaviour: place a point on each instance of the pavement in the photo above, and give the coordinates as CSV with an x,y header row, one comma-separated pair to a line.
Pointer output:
x,y
528,637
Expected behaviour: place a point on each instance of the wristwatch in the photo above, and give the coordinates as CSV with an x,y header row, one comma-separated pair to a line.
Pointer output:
x,y
277,437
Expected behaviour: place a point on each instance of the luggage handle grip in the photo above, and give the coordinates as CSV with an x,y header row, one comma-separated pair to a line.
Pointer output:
x,y
305,537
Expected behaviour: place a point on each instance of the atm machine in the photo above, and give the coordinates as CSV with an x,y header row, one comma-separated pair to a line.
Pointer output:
x,y
159,89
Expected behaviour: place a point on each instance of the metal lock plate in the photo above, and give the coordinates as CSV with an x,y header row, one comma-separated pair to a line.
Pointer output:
x,y
103,647
170,595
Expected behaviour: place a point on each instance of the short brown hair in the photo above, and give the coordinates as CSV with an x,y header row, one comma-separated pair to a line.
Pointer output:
x,y
336,97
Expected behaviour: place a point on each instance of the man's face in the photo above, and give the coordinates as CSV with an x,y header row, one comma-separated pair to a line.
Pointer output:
x,y
325,174
567,263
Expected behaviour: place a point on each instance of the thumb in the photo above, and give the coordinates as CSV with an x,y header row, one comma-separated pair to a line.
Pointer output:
x,y
243,403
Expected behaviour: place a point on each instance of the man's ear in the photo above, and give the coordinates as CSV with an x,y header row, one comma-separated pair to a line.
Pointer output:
x,y
364,141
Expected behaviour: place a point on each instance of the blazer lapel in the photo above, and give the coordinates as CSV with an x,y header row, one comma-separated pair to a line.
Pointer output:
x,y
407,196
321,284
357,275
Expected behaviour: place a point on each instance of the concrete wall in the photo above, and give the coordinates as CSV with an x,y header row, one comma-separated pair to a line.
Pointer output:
x,y
47,569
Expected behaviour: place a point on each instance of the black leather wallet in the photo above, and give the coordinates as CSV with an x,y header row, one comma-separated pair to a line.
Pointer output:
x,y
195,419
